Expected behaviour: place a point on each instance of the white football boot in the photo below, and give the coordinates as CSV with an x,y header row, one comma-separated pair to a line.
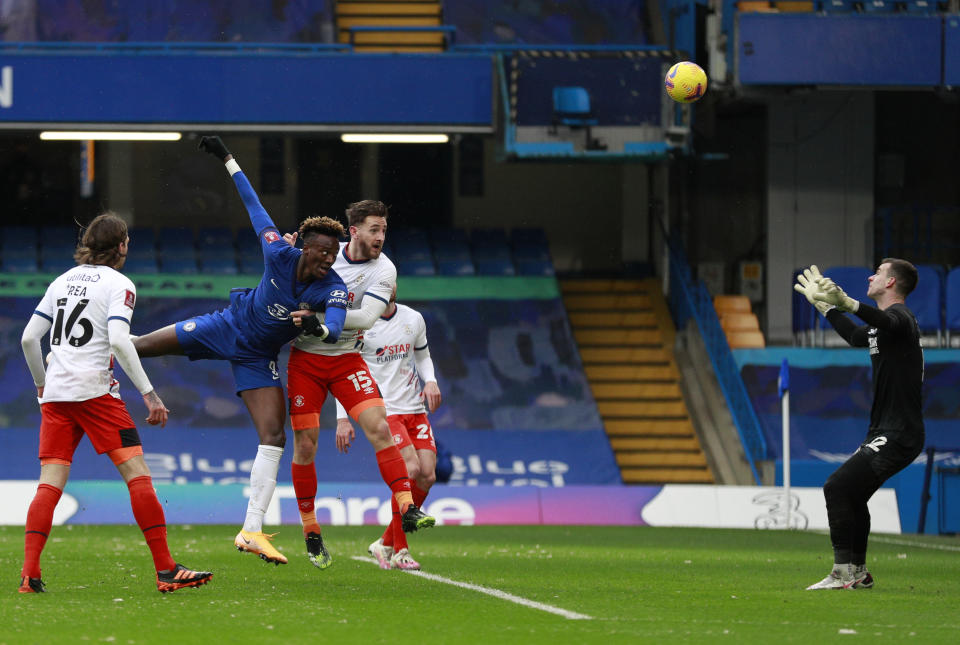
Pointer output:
x,y
841,577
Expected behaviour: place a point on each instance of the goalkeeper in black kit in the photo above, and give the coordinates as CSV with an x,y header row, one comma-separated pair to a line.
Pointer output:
x,y
896,434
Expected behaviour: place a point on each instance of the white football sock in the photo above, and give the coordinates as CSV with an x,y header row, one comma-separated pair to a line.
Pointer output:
x,y
263,480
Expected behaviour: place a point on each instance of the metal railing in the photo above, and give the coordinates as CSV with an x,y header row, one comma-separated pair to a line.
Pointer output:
x,y
689,298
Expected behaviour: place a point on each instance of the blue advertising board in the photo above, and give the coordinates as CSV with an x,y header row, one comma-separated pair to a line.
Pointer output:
x,y
243,86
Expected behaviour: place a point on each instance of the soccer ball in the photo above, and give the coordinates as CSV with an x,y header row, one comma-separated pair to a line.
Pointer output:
x,y
685,82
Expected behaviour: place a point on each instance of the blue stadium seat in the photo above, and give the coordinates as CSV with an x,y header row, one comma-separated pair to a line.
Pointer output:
x,y
19,239
219,265
952,302
180,264
926,300
250,263
410,244
494,266
920,6
56,258
142,237
530,244
19,263
534,267
216,243
455,267
571,106
491,252
176,243
59,236
141,264
416,267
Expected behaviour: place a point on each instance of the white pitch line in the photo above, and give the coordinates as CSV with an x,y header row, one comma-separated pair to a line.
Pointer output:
x,y
919,545
496,593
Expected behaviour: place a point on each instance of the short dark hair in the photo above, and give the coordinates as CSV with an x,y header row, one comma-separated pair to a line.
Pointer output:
x,y
357,212
905,274
101,240
320,226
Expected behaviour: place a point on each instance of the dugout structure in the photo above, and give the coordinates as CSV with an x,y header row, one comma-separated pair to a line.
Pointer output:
x,y
629,115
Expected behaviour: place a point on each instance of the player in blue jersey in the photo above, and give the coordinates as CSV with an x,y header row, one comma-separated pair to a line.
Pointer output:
x,y
252,330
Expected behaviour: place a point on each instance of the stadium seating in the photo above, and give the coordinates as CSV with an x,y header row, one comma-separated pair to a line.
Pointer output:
x,y
926,301
952,303
225,251
491,252
731,303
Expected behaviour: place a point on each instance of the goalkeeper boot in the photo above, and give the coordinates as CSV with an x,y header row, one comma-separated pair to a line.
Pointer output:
x,y
841,577
403,560
259,543
862,578
317,552
381,553
181,577
31,585
414,519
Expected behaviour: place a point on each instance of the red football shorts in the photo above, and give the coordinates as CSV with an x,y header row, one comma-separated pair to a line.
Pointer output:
x,y
311,376
105,420
412,430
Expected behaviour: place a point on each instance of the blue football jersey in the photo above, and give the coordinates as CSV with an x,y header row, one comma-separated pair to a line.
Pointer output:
x,y
262,314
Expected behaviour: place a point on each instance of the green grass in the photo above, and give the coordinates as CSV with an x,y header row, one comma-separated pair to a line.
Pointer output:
x,y
639,585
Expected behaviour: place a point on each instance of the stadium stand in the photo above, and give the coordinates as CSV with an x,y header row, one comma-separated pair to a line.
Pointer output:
x,y
804,317
392,25
452,252
952,304
625,337
491,252
926,301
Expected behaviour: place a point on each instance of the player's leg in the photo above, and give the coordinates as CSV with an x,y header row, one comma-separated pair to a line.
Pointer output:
x,y
394,536
53,478
360,396
846,493
162,342
886,459
422,452
59,436
150,518
268,412
307,390
393,469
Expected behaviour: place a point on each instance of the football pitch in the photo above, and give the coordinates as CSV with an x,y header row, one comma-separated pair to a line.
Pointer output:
x,y
484,584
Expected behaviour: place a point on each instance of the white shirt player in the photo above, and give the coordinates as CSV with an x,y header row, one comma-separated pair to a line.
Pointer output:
x,y
389,349
79,304
364,279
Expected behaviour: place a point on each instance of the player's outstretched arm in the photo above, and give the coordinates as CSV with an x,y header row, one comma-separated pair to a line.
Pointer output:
x,y
258,215
126,353
37,327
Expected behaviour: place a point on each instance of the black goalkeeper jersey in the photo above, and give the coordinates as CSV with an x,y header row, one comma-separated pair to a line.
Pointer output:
x,y
893,337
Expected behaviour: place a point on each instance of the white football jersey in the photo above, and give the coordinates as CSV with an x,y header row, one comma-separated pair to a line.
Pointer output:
x,y
388,349
364,278
78,304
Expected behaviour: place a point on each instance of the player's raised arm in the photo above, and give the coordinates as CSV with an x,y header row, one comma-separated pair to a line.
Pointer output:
x,y
258,215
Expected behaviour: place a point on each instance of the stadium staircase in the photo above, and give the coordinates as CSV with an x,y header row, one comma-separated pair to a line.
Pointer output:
x,y
403,14
625,337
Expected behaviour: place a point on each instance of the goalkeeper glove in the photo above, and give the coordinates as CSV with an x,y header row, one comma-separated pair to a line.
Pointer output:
x,y
830,293
808,285
214,146
313,326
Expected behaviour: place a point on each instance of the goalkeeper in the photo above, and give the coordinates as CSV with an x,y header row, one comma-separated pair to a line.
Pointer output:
x,y
896,434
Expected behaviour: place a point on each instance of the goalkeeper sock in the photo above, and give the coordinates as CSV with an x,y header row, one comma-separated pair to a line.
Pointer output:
x,y
305,488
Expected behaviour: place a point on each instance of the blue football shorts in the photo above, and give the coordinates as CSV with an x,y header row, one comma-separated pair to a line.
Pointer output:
x,y
214,337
